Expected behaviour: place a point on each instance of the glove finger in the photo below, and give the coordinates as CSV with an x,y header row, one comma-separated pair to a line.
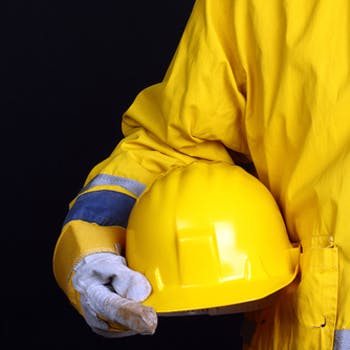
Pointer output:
x,y
129,313
90,316
99,326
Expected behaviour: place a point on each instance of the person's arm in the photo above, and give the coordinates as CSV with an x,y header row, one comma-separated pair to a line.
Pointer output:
x,y
196,112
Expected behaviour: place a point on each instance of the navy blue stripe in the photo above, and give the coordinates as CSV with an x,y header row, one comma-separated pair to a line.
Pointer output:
x,y
106,208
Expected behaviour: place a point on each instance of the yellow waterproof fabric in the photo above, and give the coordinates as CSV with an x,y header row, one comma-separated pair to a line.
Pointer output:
x,y
269,80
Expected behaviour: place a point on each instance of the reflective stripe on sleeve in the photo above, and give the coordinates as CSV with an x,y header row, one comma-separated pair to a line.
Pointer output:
x,y
106,208
342,339
133,186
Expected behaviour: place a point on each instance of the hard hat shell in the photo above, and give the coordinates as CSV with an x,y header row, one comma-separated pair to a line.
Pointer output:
x,y
209,235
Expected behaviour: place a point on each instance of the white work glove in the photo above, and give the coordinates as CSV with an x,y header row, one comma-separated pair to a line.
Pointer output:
x,y
110,289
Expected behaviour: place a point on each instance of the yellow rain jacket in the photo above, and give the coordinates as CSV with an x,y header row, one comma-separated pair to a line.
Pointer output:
x,y
263,81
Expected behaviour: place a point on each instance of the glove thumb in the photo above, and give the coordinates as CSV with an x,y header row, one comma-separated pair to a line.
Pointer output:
x,y
131,284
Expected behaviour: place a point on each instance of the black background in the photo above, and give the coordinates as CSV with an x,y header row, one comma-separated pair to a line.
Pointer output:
x,y
68,72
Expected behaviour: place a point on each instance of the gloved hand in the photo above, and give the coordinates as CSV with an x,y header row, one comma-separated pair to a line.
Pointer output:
x,y
110,291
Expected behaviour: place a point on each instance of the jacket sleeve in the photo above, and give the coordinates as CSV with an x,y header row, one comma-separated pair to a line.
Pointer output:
x,y
196,112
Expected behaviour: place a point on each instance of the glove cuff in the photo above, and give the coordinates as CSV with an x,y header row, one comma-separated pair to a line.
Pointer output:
x,y
78,239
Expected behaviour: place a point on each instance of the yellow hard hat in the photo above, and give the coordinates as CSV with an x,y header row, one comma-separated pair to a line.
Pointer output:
x,y
209,235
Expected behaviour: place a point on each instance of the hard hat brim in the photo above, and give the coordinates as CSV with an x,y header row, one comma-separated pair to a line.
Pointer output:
x,y
174,299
